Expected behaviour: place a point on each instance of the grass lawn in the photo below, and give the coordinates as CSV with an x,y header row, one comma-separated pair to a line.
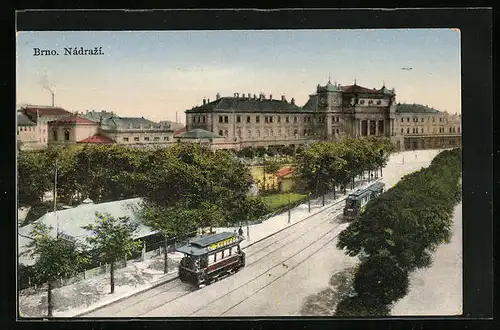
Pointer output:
x,y
279,200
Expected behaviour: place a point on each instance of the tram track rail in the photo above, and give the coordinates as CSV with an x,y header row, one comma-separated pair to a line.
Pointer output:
x,y
289,269
276,265
288,242
176,278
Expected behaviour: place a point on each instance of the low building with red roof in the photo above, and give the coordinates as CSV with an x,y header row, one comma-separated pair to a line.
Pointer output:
x,y
97,139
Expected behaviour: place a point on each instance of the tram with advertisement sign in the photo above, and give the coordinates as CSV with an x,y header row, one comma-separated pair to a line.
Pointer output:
x,y
356,201
207,259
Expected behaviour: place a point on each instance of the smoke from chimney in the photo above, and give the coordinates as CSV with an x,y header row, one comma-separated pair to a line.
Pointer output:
x,y
45,84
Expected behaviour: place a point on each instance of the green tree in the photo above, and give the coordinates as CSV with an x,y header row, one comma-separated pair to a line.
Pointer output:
x,y
56,258
64,159
108,172
33,178
113,239
381,279
357,306
171,221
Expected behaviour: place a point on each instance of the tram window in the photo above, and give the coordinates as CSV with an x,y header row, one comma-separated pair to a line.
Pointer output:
x,y
204,261
211,259
219,255
350,203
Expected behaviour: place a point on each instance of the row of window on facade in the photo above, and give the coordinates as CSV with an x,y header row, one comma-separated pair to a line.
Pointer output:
x,y
415,119
370,102
29,129
26,129
146,138
441,130
270,132
267,119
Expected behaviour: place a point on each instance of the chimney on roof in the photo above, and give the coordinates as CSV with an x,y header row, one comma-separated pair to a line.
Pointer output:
x,y
204,101
292,101
261,96
270,96
254,96
52,98
208,101
283,99
243,95
217,96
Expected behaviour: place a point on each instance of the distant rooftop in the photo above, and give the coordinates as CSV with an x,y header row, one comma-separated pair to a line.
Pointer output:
x,y
415,108
250,103
198,133
44,110
23,120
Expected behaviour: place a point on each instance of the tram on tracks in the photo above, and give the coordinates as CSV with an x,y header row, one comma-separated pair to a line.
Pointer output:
x,y
209,258
356,201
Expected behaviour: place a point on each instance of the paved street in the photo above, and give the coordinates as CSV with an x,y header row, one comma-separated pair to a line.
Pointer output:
x,y
282,271
272,265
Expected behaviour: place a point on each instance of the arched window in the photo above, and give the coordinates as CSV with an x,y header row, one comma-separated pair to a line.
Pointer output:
x,y
295,132
66,135
55,135
257,133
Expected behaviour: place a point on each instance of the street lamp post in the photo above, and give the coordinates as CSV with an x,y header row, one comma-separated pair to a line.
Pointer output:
x,y
289,209
55,198
248,229
309,203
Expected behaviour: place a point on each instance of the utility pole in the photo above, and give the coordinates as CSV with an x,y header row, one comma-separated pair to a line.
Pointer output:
x,y
55,198
289,209
248,229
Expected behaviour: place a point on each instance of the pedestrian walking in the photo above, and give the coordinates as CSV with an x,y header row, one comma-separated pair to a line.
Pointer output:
x,y
240,232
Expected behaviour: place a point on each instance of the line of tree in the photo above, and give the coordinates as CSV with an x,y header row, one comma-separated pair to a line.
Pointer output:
x,y
323,166
398,232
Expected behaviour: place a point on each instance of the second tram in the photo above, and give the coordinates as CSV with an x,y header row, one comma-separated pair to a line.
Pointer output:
x,y
356,201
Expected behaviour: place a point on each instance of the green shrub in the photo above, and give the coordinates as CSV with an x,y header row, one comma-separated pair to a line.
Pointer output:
x,y
356,306
381,279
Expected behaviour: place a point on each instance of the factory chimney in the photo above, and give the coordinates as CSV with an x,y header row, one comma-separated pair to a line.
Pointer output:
x,y
52,98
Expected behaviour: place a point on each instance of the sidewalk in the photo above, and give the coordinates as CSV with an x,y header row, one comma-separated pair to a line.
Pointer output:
x,y
258,232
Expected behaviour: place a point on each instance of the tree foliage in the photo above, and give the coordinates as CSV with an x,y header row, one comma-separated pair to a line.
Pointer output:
x,y
381,279
399,230
33,179
55,258
113,239
324,165
357,306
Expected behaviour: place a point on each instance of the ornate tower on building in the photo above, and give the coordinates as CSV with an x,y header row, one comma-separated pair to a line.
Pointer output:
x,y
329,106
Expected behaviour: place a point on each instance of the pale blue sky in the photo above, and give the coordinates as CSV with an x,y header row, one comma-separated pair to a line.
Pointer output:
x,y
156,74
